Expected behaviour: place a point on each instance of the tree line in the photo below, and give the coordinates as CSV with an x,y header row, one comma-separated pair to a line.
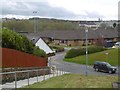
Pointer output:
x,y
28,25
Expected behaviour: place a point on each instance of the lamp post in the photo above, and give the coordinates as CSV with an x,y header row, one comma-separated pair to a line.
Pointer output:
x,y
34,12
86,31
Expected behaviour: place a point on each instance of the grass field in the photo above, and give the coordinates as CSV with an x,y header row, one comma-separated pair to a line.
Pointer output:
x,y
76,81
112,57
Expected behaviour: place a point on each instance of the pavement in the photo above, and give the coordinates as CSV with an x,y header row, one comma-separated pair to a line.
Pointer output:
x,y
23,83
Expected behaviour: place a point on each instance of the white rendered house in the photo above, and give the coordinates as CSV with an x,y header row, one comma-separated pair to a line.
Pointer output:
x,y
42,45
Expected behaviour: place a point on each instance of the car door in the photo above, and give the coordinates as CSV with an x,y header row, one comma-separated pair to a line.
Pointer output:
x,y
104,68
100,66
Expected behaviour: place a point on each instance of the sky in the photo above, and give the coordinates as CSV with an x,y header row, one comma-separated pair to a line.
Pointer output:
x,y
60,9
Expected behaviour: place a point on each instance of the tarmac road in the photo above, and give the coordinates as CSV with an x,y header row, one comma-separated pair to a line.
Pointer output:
x,y
57,61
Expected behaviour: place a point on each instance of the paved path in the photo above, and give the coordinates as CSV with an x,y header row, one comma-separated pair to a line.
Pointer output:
x,y
22,83
57,61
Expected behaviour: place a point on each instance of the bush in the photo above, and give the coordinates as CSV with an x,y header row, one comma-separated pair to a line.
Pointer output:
x,y
13,40
39,52
57,49
82,51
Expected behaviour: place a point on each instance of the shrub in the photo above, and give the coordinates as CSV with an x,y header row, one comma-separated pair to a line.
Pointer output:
x,y
82,51
13,40
57,49
39,52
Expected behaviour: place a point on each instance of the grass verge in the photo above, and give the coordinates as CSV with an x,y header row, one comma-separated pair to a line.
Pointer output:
x,y
76,81
112,57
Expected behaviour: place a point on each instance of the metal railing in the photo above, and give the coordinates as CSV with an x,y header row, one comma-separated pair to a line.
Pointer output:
x,y
52,72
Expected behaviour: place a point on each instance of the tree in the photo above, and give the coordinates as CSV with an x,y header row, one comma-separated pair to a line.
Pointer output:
x,y
114,25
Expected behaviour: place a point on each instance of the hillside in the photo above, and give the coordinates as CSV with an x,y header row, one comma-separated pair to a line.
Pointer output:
x,y
40,24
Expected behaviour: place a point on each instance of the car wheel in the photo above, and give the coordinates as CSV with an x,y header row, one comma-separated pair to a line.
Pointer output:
x,y
110,72
114,72
97,69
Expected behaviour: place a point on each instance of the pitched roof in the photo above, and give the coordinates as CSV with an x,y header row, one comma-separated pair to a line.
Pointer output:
x,y
74,35
42,45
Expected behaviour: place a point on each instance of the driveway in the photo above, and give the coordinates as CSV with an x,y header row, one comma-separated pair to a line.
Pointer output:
x,y
57,61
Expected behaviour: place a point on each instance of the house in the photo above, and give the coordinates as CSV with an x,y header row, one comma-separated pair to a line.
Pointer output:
x,y
77,38
42,45
38,41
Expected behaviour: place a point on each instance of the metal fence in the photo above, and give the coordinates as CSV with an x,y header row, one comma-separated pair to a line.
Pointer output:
x,y
37,76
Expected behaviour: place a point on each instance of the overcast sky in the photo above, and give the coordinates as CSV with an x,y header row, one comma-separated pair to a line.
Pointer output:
x,y
61,9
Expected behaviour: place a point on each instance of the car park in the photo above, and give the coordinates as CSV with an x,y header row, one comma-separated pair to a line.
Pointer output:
x,y
104,66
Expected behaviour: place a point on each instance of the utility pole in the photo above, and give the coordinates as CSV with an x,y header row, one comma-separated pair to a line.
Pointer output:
x,y
86,31
35,25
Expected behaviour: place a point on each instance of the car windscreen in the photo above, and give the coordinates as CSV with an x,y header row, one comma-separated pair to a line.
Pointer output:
x,y
107,64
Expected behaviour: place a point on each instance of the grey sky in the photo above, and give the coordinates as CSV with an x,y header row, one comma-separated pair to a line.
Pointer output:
x,y
51,8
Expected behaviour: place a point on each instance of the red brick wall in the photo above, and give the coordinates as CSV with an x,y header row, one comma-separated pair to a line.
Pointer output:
x,y
14,58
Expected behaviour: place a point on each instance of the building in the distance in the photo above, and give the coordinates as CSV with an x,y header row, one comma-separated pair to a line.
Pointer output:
x,y
77,38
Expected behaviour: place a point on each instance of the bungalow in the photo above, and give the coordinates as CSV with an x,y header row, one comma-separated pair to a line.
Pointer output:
x,y
77,38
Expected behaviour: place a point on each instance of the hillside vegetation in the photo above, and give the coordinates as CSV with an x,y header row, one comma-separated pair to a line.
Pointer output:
x,y
40,24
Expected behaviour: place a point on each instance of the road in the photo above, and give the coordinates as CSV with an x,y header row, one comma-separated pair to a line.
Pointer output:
x,y
57,61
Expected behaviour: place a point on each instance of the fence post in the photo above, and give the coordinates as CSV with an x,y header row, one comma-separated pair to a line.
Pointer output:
x,y
37,75
28,78
43,74
62,71
57,72
15,80
49,72
53,72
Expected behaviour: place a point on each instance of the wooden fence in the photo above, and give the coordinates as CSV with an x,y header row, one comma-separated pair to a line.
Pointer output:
x,y
14,58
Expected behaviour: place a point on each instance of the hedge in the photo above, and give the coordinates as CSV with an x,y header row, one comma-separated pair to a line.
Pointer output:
x,y
82,51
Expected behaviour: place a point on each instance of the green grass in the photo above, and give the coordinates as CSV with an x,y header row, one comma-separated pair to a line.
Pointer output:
x,y
112,57
76,81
